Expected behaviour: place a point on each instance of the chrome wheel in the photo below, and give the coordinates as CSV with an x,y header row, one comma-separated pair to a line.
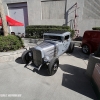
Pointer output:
x,y
55,67
27,56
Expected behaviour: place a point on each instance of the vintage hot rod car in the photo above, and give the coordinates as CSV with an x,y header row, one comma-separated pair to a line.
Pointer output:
x,y
48,52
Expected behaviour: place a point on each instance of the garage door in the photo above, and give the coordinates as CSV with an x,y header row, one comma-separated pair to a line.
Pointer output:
x,y
18,13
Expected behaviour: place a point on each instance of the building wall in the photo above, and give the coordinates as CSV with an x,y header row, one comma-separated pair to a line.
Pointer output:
x,y
91,9
39,16
88,12
71,14
91,15
17,11
52,9
35,8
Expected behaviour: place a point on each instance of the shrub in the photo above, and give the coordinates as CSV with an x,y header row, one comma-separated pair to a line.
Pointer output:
x,y
36,31
96,28
10,42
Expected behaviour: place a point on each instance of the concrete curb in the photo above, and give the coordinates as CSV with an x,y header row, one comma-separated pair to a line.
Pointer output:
x,y
10,56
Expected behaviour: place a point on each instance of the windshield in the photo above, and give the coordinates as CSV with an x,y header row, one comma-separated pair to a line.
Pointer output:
x,y
55,38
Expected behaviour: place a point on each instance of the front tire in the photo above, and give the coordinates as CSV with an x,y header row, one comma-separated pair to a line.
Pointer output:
x,y
53,66
27,56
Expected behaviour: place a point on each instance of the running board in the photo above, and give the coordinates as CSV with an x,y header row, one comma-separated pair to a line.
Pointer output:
x,y
30,64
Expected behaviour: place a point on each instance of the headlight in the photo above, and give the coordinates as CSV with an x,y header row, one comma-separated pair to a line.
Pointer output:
x,y
46,58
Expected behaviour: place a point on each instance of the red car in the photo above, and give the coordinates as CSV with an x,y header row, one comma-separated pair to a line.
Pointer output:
x,y
90,41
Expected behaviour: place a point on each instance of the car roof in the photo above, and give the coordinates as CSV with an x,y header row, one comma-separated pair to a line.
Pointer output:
x,y
58,33
92,31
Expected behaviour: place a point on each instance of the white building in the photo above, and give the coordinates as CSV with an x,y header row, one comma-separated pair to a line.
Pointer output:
x,y
54,12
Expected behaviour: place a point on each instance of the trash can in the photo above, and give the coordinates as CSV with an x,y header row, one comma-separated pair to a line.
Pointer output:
x,y
96,80
96,75
91,64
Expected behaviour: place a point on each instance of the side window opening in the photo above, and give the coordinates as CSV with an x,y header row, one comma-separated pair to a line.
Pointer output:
x,y
67,37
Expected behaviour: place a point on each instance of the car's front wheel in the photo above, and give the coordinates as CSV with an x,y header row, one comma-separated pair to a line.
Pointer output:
x,y
53,66
85,49
27,56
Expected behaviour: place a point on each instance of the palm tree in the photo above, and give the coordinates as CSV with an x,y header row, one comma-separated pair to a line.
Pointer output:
x,y
4,23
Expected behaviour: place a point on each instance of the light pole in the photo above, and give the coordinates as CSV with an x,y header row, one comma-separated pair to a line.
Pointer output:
x,y
3,18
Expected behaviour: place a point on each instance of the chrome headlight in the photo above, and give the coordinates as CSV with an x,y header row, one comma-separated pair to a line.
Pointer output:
x,y
46,58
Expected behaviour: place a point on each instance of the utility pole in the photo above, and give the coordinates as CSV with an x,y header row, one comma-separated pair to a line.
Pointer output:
x,y
3,18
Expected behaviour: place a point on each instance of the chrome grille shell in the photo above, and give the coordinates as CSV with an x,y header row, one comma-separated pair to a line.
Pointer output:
x,y
37,57
49,49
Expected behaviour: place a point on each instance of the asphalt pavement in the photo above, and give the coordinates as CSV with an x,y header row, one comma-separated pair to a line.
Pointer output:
x,y
69,83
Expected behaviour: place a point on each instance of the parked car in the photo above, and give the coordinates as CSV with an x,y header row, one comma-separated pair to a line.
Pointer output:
x,y
48,52
90,41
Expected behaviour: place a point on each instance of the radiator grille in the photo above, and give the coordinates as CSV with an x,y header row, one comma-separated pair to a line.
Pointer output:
x,y
37,57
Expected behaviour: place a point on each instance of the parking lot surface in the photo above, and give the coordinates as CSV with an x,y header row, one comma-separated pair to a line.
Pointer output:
x,y
69,83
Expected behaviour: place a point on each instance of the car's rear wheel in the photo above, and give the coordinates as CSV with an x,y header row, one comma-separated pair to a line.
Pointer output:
x,y
71,48
27,56
85,49
53,66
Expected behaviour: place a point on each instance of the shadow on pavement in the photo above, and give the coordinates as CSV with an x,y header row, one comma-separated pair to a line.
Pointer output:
x,y
76,80
19,60
79,54
42,71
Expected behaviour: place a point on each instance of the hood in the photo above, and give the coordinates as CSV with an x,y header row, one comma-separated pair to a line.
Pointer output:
x,y
48,48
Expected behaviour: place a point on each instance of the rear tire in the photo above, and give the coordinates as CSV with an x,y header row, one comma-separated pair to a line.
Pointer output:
x,y
71,48
26,56
53,66
85,49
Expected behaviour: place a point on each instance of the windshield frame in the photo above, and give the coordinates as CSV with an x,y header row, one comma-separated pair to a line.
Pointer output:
x,y
53,37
